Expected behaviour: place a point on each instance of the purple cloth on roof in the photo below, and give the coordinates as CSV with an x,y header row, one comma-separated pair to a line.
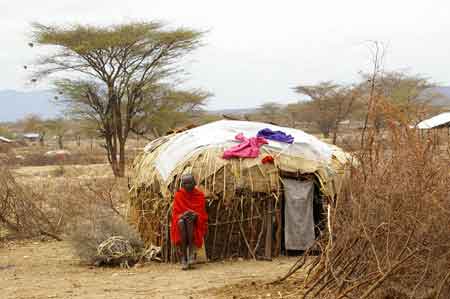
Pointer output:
x,y
275,135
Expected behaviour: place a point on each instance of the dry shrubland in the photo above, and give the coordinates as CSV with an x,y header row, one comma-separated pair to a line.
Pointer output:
x,y
390,225
93,211
84,206
23,212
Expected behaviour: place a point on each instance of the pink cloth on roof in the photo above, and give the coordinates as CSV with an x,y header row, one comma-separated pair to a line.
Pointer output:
x,y
248,148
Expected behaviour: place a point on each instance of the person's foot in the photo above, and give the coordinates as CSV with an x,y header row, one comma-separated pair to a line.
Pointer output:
x,y
184,263
191,256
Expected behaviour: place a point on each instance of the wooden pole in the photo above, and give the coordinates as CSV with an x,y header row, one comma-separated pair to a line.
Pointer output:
x,y
268,249
213,251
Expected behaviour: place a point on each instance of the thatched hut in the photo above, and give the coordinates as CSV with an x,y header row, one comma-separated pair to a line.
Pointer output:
x,y
256,209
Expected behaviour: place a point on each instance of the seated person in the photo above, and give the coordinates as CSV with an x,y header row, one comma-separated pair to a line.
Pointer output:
x,y
189,220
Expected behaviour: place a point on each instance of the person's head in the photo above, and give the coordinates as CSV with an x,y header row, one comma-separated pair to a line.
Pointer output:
x,y
188,182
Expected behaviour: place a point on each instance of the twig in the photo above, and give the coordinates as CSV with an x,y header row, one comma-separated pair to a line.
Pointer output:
x,y
386,275
441,287
45,233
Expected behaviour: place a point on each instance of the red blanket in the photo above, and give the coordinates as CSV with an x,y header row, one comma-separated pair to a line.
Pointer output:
x,y
189,201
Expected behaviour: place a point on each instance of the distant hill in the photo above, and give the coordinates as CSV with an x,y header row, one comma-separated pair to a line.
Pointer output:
x,y
238,112
440,96
17,104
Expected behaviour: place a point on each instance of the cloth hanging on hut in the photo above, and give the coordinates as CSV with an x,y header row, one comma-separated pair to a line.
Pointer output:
x,y
275,135
248,148
299,220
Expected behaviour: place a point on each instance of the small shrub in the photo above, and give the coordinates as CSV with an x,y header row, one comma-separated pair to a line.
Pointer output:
x,y
89,235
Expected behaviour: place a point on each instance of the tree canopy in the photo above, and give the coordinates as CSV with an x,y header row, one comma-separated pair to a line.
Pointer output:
x,y
328,105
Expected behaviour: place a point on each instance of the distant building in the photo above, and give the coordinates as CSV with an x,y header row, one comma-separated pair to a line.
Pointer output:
x,y
31,136
439,121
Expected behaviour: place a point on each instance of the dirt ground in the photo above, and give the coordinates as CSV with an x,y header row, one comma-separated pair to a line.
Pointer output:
x,y
47,269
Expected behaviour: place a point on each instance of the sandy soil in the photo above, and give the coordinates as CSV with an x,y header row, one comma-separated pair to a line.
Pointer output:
x,y
35,270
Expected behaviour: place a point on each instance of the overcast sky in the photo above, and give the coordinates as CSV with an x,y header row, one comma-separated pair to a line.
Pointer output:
x,y
256,51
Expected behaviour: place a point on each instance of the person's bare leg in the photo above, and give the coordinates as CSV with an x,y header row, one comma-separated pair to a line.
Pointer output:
x,y
190,241
184,241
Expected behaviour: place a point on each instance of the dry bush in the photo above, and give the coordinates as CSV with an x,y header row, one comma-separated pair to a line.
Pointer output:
x,y
86,211
5,148
74,200
51,206
86,195
391,223
6,157
90,211
21,211
87,236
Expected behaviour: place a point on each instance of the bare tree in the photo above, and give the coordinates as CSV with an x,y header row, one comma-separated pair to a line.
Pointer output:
x,y
377,50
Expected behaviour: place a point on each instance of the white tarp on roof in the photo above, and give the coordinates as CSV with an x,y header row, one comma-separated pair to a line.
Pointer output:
x,y
221,134
5,139
435,121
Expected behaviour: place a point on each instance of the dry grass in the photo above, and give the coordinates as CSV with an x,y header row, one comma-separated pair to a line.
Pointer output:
x,y
66,193
75,198
83,204
36,156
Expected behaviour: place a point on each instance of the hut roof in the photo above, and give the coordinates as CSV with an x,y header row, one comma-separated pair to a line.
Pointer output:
x,y
201,149
5,140
439,120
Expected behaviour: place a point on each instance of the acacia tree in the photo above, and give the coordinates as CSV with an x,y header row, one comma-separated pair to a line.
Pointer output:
x,y
270,111
409,97
329,105
293,112
106,72
408,94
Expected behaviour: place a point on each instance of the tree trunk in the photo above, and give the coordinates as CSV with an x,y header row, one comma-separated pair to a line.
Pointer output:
x,y
115,165
111,149
335,132
42,139
122,162
117,159
114,162
116,155
60,142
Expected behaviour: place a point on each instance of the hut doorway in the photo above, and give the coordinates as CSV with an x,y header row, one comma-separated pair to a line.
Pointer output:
x,y
302,214
298,214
